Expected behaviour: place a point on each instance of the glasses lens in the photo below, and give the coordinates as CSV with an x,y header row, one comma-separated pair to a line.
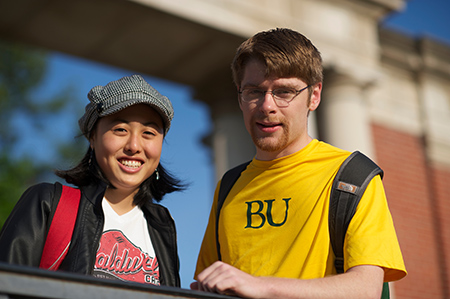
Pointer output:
x,y
283,96
252,94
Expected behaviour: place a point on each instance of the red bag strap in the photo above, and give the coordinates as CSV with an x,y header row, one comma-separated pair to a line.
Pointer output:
x,y
61,229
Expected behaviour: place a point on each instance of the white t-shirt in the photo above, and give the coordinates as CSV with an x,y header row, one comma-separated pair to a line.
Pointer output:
x,y
125,251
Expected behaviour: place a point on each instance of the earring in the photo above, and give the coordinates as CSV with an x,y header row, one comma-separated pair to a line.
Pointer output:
x,y
91,155
157,174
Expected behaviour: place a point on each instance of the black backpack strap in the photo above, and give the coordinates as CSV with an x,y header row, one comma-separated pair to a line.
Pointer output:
x,y
228,180
348,187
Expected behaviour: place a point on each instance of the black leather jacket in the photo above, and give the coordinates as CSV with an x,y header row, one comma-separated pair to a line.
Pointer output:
x,y
23,234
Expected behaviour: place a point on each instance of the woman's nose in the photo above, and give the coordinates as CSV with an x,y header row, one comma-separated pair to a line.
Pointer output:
x,y
133,144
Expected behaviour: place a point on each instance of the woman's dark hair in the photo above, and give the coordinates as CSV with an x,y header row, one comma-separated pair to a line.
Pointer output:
x,y
88,172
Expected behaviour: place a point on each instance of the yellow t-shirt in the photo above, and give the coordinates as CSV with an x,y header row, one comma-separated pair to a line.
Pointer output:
x,y
274,221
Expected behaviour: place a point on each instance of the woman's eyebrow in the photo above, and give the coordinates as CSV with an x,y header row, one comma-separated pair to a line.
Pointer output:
x,y
146,124
151,124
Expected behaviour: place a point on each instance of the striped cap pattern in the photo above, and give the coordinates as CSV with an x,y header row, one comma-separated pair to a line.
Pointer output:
x,y
118,95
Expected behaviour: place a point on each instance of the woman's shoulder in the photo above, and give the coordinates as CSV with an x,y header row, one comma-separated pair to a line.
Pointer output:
x,y
38,197
42,192
44,188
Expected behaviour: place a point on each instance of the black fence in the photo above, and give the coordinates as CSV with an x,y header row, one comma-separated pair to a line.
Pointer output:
x,y
24,282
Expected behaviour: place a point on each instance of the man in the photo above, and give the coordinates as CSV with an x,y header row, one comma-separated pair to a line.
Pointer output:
x,y
273,226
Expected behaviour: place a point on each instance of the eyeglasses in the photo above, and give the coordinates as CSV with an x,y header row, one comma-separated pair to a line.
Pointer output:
x,y
282,96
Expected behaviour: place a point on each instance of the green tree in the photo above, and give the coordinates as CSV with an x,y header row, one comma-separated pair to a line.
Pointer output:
x,y
22,69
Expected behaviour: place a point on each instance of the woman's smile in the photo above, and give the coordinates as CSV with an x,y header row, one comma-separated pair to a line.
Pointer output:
x,y
128,146
130,164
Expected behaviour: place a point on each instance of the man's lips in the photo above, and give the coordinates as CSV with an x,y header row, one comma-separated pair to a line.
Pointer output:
x,y
268,127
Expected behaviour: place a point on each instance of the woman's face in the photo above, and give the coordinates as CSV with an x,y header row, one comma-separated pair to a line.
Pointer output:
x,y
128,146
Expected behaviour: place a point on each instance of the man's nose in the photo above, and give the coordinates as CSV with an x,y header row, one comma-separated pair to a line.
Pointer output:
x,y
268,103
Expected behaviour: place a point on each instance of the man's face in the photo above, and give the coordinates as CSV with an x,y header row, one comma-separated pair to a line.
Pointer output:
x,y
276,131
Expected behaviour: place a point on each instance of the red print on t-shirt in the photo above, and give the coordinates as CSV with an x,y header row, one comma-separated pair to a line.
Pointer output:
x,y
118,258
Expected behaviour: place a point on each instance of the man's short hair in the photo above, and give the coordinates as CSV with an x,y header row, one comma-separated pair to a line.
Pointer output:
x,y
285,52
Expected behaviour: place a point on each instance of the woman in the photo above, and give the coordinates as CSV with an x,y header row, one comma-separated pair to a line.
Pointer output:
x,y
119,232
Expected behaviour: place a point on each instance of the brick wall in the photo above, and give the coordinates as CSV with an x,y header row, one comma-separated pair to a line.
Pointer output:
x,y
441,191
417,199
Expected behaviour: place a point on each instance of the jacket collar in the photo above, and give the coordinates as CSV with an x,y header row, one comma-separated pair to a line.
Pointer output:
x,y
94,193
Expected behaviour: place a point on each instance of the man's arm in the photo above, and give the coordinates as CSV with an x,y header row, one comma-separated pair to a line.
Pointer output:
x,y
357,282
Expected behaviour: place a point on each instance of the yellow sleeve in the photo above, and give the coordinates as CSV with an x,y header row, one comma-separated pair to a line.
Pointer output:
x,y
208,250
371,238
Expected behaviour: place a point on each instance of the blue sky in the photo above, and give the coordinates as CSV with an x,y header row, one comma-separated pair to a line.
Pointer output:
x,y
183,153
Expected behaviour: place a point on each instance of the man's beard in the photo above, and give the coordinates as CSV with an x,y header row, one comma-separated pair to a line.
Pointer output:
x,y
271,143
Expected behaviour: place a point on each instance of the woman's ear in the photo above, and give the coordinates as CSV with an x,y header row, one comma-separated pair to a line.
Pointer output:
x,y
91,139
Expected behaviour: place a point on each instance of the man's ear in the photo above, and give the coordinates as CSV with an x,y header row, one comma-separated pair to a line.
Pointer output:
x,y
239,97
315,97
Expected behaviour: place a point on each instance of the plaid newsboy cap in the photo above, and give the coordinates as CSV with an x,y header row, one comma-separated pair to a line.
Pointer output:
x,y
118,95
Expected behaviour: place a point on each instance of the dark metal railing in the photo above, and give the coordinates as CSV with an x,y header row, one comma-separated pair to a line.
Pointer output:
x,y
25,282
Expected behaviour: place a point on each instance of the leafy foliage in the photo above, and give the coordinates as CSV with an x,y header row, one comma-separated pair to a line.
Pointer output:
x,y
22,70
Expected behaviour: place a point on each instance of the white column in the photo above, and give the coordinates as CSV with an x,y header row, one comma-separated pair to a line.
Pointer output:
x,y
313,131
344,115
231,143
